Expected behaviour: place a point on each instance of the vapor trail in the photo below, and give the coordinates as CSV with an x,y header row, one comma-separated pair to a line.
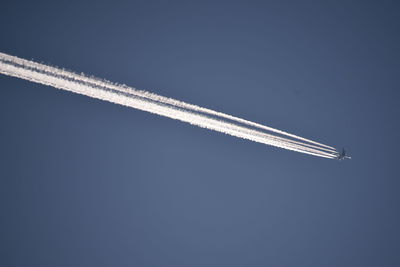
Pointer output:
x,y
160,105
168,101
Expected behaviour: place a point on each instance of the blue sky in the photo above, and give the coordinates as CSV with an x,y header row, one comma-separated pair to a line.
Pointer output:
x,y
89,183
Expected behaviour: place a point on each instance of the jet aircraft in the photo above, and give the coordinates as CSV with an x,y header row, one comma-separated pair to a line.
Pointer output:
x,y
342,155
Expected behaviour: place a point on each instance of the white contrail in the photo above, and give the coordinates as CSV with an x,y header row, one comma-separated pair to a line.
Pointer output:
x,y
142,100
165,100
161,99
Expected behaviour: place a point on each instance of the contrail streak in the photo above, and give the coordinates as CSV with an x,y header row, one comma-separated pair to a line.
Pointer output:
x,y
166,100
127,96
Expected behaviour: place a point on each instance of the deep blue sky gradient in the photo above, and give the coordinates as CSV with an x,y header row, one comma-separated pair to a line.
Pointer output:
x,y
89,183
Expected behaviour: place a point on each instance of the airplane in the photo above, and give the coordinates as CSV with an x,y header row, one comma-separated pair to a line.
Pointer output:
x,y
343,155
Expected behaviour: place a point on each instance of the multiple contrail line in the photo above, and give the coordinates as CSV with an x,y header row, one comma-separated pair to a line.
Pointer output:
x,y
164,106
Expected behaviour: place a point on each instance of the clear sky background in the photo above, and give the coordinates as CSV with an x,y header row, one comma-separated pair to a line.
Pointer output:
x,y
89,183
